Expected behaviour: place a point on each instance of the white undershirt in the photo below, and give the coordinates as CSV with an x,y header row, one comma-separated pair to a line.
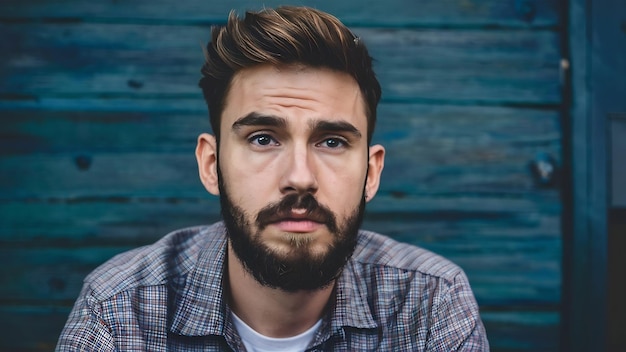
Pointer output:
x,y
256,342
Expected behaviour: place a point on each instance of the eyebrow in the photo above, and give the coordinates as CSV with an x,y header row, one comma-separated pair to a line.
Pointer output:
x,y
335,126
256,119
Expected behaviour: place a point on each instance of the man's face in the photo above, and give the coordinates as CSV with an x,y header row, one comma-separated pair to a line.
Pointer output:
x,y
292,171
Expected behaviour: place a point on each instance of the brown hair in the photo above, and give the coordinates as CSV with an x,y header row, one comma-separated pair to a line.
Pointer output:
x,y
282,36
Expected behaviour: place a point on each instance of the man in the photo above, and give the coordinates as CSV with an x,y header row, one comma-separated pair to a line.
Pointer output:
x,y
292,100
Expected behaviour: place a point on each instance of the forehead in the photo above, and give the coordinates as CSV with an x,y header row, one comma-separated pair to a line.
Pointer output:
x,y
294,92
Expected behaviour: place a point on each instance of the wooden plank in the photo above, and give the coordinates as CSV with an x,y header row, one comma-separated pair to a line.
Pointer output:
x,y
103,222
100,111
49,131
520,66
607,37
134,221
463,149
522,273
153,125
31,328
596,30
370,12
82,59
581,212
146,104
49,274
527,276
511,259
430,150
172,175
522,330
36,328
108,174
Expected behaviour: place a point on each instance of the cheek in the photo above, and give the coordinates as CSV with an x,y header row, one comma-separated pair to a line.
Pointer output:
x,y
249,184
348,172
343,187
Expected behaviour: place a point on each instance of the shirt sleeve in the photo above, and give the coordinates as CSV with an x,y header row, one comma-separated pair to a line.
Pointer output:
x,y
85,330
456,324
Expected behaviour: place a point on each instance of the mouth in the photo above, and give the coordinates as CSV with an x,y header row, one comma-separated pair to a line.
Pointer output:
x,y
297,226
298,221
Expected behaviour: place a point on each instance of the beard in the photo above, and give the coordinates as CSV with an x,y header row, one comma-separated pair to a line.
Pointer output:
x,y
299,268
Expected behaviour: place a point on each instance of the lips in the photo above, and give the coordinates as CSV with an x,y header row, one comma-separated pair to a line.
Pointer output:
x,y
298,220
296,214
297,226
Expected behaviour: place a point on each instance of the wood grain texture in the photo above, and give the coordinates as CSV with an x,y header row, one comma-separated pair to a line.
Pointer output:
x,y
525,13
31,328
461,66
122,220
99,114
524,276
522,330
433,150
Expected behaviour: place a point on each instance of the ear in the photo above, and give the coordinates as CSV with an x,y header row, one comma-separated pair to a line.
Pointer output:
x,y
206,155
376,164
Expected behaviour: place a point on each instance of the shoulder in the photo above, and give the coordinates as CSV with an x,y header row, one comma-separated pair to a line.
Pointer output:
x,y
172,256
377,250
422,296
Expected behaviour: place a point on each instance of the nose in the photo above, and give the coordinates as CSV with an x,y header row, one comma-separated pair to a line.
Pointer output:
x,y
299,174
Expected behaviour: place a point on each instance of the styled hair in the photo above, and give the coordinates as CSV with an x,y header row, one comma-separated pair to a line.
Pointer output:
x,y
286,35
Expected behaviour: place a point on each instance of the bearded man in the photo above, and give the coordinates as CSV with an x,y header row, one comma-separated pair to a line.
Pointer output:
x,y
292,100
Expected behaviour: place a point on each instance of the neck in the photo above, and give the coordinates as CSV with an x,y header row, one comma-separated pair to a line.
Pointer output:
x,y
273,312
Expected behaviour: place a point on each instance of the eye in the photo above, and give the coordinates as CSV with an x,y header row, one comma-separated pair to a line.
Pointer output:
x,y
262,140
333,143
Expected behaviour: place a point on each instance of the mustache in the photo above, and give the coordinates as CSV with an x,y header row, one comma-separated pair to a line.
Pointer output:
x,y
315,211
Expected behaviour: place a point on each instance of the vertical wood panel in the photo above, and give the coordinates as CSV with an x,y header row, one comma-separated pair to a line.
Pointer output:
x,y
99,112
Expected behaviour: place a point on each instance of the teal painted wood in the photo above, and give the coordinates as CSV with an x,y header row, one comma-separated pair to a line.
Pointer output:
x,y
597,38
31,327
157,125
111,220
522,330
513,67
429,13
526,267
99,112
512,257
434,150
42,275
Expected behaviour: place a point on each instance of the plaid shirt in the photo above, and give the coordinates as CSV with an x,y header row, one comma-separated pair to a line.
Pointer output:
x,y
169,297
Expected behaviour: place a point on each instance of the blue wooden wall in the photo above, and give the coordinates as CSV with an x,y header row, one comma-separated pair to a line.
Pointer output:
x,y
99,113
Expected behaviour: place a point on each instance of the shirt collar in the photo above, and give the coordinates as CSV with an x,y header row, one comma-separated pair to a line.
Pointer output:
x,y
200,307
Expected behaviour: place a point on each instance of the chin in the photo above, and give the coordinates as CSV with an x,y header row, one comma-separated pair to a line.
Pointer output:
x,y
299,244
